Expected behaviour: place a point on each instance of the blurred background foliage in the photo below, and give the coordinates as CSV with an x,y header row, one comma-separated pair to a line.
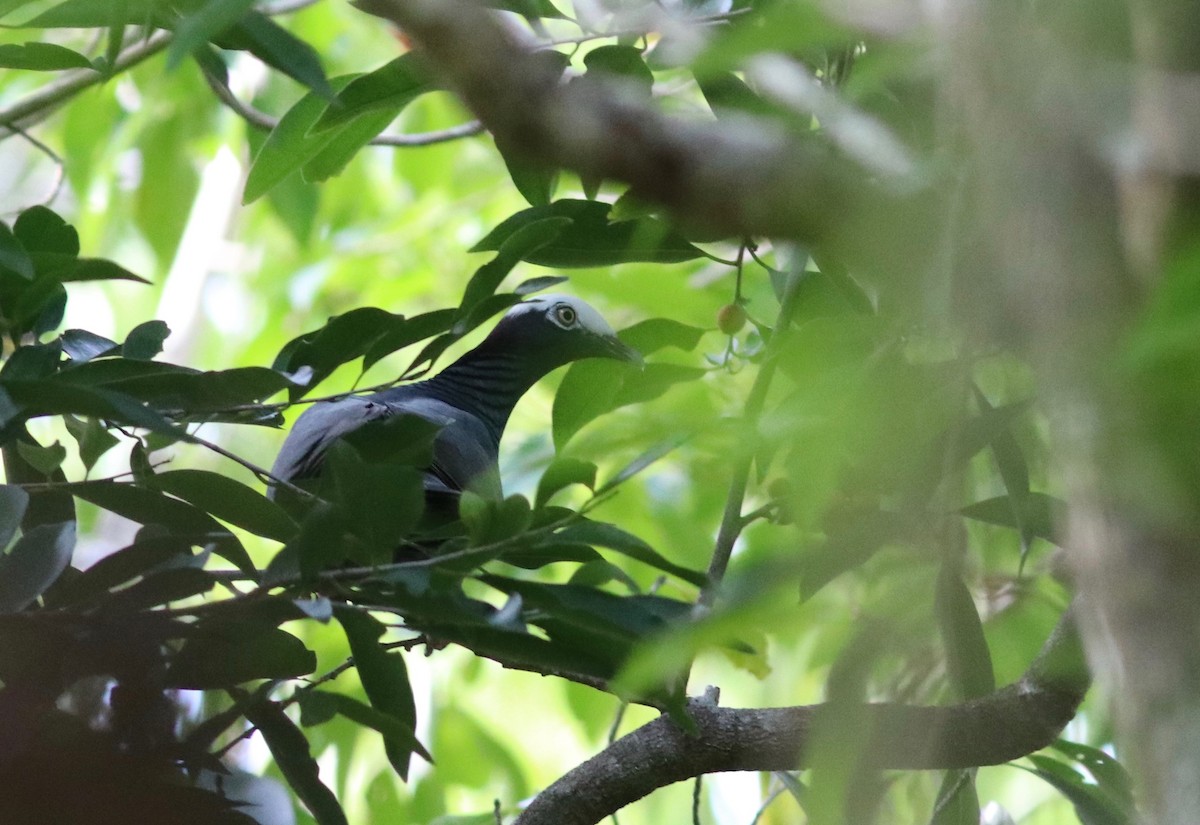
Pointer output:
x,y
885,419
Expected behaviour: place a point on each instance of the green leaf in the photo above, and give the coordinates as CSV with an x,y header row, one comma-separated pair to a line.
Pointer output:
x,y
654,334
391,87
625,62
345,144
1093,805
45,459
515,248
41,57
35,561
91,437
40,229
229,500
587,391
526,8
563,472
195,29
291,752
147,506
13,501
13,256
231,653
591,240
343,338
93,14
278,48
158,588
149,552
957,800
385,680
382,502
36,398
145,340
394,731
291,143
81,346
627,544
414,329
1039,514
68,268
968,659
1110,775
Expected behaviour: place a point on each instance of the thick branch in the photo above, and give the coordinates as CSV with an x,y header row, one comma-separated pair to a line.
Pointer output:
x,y
1006,725
747,178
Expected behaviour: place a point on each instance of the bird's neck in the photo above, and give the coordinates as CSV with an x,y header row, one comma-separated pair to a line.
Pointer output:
x,y
487,382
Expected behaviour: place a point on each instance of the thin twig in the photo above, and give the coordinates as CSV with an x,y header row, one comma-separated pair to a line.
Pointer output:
x,y
732,520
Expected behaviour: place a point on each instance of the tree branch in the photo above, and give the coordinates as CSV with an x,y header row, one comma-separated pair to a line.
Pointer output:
x,y
1008,724
739,177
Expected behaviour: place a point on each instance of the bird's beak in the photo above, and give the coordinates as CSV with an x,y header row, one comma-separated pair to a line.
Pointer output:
x,y
623,352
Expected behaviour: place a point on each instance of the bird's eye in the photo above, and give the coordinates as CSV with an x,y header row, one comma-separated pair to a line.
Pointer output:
x,y
565,315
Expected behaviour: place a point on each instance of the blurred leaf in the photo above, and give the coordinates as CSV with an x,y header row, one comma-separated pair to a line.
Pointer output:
x,y
385,680
290,749
345,143
620,61
159,588
13,501
591,240
391,87
67,268
526,8
13,256
957,800
230,501
195,29
45,459
33,564
1109,774
42,57
653,334
220,656
147,554
563,472
1040,513
726,94
1093,804
95,14
290,144
968,659
277,47
650,456
627,544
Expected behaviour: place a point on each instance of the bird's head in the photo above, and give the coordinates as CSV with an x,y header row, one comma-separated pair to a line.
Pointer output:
x,y
556,329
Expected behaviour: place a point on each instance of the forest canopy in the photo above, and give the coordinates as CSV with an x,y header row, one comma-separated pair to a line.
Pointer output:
x,y
910,462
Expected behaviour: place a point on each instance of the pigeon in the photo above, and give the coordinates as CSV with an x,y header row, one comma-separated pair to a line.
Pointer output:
x,y
470,400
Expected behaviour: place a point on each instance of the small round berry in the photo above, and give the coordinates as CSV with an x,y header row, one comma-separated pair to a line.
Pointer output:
x,y
730,319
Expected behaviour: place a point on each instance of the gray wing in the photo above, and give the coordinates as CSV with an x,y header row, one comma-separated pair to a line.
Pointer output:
x,y
464,456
